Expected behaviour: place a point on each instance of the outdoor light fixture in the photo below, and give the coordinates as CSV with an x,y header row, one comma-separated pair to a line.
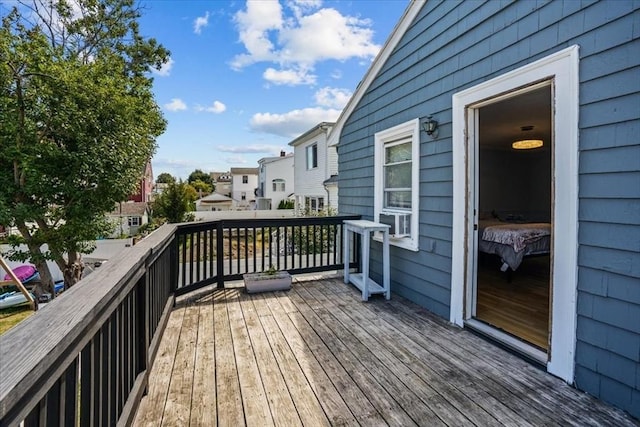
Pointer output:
x,y
430,126
526,143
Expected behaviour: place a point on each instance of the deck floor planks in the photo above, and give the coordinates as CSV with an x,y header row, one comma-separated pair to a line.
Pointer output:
x,y
375,392
255,369
328,397
417,397
456,364
382,343
152,407
304,398
203,409
359,404
229,398
281,404
544,396
330,365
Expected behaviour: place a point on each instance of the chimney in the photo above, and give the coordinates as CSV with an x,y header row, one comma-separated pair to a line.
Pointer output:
x,y
282,153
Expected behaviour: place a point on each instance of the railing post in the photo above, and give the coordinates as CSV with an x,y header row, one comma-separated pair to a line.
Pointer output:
x,y
220,254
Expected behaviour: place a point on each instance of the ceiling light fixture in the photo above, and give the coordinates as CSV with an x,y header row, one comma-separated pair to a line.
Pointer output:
x,y
527,144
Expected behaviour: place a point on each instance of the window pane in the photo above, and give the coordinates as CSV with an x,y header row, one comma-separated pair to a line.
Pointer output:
x,y
398,153
397,199
397,176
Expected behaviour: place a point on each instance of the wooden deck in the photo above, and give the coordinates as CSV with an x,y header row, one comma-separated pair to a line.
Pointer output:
x,y
317,355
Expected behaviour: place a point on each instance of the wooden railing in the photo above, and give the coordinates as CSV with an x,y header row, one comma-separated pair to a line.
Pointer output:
x,y
84,358
215,252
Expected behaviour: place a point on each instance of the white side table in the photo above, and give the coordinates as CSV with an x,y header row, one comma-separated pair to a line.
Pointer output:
x,y
362,280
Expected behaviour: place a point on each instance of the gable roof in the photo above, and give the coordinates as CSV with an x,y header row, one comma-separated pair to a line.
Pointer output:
x,y
244,171
398,31
130,209
313,132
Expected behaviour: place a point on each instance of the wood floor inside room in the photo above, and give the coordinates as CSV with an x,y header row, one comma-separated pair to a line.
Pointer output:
x,y
520,306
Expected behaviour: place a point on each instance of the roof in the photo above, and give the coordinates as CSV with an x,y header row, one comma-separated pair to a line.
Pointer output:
x,y
244,171
215,198
275,158
333,179
315,131
130,208
398,31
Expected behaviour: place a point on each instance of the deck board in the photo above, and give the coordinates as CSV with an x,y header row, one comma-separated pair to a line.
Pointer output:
x,y
317,355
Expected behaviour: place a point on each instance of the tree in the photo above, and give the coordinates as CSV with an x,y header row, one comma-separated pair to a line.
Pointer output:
x,y
198,175
175,202
78,123
165,178
201,187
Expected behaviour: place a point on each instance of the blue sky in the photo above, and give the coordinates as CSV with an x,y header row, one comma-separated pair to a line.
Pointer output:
x,y
245,78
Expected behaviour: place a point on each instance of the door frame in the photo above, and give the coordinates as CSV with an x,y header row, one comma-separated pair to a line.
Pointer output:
x,y
562,68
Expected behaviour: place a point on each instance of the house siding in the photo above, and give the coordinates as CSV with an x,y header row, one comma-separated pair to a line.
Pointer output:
x,y
452,46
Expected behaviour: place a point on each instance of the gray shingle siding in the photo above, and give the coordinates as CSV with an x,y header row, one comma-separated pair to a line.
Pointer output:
x,y
454,45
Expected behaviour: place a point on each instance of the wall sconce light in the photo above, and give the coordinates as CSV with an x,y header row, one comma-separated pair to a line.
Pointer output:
x,y
430,126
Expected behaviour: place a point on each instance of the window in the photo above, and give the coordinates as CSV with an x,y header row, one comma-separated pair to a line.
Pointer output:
x,y
278,185
396,177
134,221
243,195
312,156
314,204
245,179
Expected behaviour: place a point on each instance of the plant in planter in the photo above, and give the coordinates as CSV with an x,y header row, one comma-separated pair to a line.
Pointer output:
x,y
267,281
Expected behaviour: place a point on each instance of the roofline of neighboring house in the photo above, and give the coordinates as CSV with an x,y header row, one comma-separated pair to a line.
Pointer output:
x,y
399,30
275,158
316,130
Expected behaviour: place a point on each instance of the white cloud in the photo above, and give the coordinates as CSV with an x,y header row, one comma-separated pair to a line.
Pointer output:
x,y
293,123
289,77
165,70
217,108
254,25
200,22
298,42
250,149
332,97
176,104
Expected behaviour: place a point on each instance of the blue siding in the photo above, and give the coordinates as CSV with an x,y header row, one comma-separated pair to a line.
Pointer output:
x,y
454,45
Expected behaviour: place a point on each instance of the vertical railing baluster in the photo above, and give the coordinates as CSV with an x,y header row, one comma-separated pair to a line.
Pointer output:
x,y
246,249
183,244
198,277
262,245
238,260
220,254
255,255
69,395
286,247
278,248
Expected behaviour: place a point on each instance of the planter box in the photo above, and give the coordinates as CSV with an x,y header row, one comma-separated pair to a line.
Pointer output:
x,y
264,282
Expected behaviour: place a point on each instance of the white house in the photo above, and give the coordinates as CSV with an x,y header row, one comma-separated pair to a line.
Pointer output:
x,y
316,170
275,181
244,182
214,202
128,217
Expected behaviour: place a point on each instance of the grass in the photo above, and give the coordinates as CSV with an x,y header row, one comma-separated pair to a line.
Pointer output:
x,y
9,317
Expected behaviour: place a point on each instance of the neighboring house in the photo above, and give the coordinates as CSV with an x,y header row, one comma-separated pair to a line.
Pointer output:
x,y
563,74
222,182
244,182
214,202
128,217
145,187
275,181
316,167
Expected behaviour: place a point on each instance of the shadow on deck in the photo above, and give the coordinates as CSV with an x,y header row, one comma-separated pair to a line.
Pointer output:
x,y
317,355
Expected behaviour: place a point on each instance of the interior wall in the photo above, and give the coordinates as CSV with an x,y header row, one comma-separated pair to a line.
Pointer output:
x,y
516,183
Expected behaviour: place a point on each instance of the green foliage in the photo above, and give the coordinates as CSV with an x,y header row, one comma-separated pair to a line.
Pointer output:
x,y
165,178
78,121
175,203
286,204
198,175
201,187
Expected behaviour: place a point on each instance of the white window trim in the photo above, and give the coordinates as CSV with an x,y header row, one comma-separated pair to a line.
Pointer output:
x,y
563,68
309,149
408,129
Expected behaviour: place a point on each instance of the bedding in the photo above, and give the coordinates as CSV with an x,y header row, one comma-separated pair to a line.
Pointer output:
x,y
513,241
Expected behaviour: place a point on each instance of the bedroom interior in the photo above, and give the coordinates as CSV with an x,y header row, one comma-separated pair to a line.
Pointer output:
x,y
514,216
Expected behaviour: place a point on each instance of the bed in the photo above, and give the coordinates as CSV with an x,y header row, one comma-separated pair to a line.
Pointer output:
x,y
513,241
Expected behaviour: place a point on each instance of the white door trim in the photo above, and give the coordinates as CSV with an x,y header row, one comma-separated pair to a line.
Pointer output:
x,y
562,67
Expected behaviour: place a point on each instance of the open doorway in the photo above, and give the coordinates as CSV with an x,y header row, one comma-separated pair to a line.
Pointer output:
x,y
514,217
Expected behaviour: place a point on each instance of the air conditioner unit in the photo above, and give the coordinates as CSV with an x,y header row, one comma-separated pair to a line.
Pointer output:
x,y
400,223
